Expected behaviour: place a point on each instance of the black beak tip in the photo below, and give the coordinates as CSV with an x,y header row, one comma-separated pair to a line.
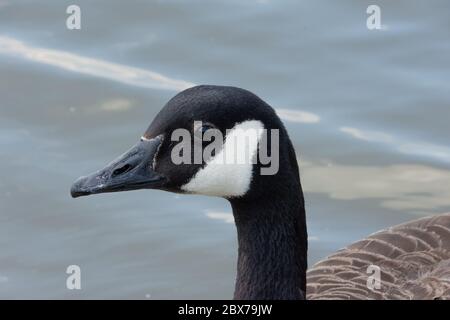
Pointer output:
x,y
77,189
76,194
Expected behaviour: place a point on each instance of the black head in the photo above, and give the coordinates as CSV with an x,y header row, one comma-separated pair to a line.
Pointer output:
x,y
150,163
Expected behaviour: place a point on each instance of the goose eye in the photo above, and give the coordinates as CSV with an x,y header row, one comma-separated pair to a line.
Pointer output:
x,y
203,128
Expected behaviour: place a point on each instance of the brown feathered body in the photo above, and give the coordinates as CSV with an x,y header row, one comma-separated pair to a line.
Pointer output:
x,y
413,261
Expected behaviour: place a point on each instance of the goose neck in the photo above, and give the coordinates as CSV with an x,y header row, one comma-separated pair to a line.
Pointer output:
x,y
272,253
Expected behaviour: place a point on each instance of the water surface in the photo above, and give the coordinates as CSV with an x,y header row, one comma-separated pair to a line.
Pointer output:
x,y
367,111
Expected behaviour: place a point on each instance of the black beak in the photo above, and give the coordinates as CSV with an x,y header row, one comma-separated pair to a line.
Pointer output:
x,y
131,171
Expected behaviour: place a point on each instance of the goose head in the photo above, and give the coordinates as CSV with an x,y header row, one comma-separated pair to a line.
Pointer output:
x,y
226,142
206,140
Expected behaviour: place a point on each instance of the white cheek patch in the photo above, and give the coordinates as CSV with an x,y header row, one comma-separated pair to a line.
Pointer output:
x,y
223,177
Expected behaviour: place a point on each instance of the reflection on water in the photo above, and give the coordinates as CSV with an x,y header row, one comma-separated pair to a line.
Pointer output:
x,y
367,112
298,116
412,188
416,148
94,67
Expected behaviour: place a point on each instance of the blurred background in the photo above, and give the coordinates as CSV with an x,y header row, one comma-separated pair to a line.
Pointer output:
x,y
368,112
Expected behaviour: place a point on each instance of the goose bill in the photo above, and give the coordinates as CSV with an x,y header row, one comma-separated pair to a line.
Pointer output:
x,y
131,171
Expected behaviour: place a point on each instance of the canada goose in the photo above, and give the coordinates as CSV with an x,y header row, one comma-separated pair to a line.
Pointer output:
x,y
269,212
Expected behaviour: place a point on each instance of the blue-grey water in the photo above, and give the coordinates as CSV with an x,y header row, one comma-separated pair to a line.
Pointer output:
x,y
368,112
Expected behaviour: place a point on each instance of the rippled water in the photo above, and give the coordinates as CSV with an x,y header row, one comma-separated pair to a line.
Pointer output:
x,y
368,113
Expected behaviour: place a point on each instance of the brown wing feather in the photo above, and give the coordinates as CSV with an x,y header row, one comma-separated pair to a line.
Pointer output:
x,y
414,262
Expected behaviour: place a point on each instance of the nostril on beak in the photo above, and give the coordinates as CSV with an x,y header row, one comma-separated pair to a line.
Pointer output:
x,y
121,170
